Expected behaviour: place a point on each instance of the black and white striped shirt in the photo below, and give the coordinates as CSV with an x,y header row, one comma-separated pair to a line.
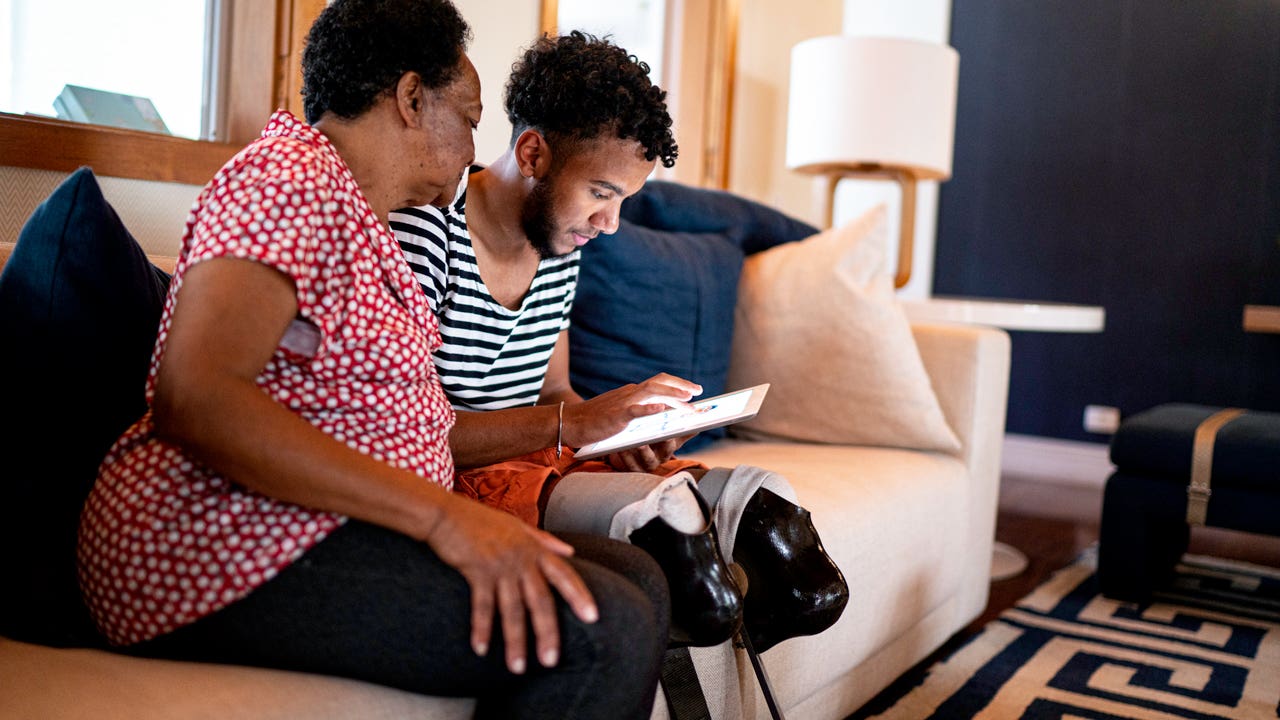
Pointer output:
x,y
492,357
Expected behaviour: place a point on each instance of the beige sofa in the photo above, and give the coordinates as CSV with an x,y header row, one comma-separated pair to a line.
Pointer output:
x,y
911,530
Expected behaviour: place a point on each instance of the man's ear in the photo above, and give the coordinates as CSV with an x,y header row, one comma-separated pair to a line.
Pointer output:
x,y
411,95
532,153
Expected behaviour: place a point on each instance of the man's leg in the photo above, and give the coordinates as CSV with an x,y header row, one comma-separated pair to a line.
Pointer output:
x,y
615,504
793,587
668,519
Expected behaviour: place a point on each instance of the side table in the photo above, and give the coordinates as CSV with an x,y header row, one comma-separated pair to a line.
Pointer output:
x,y
1007,561
1007,314
1262,318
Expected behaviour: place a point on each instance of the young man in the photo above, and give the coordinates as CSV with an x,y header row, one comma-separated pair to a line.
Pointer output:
x,y
499,267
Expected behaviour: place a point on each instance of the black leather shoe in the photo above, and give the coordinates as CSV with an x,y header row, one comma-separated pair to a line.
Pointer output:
x,y
706,605
793,587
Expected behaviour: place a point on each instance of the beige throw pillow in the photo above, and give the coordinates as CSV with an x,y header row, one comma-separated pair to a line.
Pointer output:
x,y
818,320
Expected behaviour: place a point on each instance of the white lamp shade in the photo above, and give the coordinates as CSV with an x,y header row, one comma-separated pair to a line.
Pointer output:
x,y
872,100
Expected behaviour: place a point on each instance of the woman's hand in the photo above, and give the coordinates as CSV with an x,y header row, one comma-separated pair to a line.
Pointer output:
x,y
512,568
608,413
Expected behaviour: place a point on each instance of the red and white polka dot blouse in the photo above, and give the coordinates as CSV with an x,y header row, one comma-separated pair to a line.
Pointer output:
x,y
164,540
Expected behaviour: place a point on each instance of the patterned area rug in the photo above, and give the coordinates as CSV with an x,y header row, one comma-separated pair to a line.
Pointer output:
x,y
1207,648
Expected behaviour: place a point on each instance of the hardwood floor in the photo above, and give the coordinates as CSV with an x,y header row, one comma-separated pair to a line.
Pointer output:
x,y
1052,523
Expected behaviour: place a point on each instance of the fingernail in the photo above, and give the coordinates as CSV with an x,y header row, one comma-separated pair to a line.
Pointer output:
x,y
480,648
591,614
517,666
550,657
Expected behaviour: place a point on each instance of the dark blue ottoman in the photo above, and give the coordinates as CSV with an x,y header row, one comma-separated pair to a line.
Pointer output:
x,y
1145,524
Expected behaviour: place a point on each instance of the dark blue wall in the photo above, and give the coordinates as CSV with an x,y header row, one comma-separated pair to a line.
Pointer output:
x,y
1123,153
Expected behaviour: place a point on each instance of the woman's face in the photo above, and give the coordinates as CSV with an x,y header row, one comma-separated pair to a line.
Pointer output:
x,y
450,116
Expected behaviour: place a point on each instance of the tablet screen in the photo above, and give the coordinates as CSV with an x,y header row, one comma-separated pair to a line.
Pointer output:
x,y
708,413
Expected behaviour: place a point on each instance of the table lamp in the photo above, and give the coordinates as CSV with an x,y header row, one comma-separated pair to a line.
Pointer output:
x,y
873,107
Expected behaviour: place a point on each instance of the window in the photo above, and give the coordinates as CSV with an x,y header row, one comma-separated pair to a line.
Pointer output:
x,y
260,53
636,25
152,50
691,50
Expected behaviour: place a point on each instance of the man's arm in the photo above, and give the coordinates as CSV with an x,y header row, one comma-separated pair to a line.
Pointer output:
x,y
555,386
491,436
483,438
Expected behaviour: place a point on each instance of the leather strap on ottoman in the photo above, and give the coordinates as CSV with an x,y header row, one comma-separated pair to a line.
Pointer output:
x,y
1198,491
1159,443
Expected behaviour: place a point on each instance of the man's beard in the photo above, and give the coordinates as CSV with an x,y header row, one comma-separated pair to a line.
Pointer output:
x,y
536,219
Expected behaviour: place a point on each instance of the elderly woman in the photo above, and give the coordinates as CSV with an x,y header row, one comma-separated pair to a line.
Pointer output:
x,y
286,500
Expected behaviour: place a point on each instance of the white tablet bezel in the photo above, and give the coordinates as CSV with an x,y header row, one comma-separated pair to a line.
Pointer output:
x,y
689,424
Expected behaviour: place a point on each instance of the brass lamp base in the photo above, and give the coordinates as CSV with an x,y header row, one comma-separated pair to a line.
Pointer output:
x,y
906,180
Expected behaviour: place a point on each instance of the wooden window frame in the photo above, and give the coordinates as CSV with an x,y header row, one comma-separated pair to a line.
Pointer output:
x,y
701,64
265,61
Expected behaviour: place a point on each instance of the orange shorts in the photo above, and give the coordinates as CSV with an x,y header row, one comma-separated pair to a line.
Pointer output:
x,y
522,485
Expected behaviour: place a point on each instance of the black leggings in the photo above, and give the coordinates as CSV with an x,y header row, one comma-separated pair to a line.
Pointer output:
x,y
372,604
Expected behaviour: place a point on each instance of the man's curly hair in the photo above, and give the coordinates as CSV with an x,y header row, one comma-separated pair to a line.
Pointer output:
x,y
358,49
578,87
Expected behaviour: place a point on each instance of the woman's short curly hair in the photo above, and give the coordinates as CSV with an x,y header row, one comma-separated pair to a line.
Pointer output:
x,y
578,87
359,49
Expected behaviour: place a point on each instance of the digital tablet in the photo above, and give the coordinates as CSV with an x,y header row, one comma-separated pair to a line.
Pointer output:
x,y
705,414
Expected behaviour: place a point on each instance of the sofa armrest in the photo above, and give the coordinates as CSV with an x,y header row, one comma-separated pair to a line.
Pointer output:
x,y
968,366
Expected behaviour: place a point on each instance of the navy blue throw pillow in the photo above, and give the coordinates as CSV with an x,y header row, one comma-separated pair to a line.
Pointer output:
x,y
659,294
80,307
749,225
651,301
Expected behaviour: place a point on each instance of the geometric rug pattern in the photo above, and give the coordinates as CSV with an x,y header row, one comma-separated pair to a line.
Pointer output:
x,y
1207,647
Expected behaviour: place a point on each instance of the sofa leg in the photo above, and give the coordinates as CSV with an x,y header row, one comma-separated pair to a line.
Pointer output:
x,y
1143,535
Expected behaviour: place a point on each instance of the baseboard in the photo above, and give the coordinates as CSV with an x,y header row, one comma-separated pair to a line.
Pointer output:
x,y
1069,462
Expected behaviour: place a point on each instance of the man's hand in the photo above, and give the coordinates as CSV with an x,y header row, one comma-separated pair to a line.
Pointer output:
x,y
509,566
607,414
647,457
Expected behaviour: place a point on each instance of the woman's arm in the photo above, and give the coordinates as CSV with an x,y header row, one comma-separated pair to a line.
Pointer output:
x,y
228,319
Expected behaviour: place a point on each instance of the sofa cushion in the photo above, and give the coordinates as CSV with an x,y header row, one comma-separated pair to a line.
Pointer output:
x,y
43,682
658,295
79,309
829,298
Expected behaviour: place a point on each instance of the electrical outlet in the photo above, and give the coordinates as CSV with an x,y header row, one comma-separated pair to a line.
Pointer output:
x,y
1101,419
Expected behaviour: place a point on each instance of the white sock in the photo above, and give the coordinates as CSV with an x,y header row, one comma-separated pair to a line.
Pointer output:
x,y
729,491
615,504
673,500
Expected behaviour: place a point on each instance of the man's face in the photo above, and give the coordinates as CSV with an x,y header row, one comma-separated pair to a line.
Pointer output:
x,y
582,193
451,114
